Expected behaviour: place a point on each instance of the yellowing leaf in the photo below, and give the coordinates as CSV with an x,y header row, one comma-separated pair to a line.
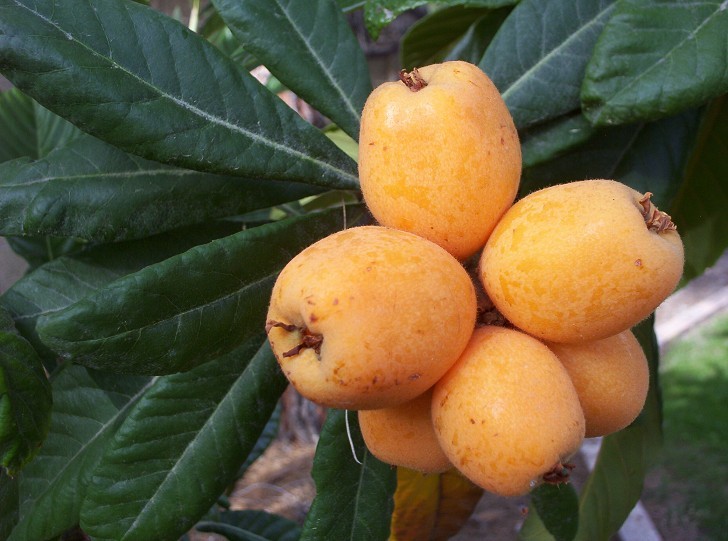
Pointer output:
x,y
431,507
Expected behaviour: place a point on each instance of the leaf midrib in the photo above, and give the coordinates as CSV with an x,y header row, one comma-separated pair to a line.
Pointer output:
x,y
102,175
190,107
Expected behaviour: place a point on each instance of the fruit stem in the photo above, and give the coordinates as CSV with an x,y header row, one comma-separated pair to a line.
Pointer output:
x,y
558,474
308,340
412,79
655,219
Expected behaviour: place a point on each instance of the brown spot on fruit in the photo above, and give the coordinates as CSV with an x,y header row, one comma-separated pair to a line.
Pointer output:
x,y
638,263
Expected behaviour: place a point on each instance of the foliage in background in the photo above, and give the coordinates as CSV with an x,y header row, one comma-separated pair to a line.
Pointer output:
x,y
156,189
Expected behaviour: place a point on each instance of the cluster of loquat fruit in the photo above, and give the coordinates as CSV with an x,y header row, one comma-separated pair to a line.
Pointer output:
x,y
500,372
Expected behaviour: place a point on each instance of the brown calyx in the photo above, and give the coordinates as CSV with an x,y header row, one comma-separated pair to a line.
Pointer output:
x,y
309,340
655,219
558,474
412,79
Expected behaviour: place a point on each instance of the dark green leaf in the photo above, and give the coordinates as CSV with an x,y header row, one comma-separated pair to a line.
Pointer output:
x,y
309,46
62,282
17,126
39,250
472,46
700,205
648,157
430,39
252,525
379,13
657,58
353,501
87,409
558,507
145,83
551,139
188,309
29,130
94,191
8,504
538,57
181,445
25,398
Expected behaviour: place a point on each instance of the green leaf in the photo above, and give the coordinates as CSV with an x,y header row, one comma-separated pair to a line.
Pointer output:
x,y
429,40
58,284
188,309
657,58
87,409
252,525
94,191
181,445
8,504
147,84
28,129
310,48
558,508
39,250
353,501
552,139
472,46
699,207
538,57
379,13
648,157
25,399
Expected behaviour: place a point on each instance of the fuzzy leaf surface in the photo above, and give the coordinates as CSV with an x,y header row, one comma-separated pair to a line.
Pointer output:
x,y
310,48
88,407
538,57
181,445
141,81
657,58
188,309
93,191
25,399
353,501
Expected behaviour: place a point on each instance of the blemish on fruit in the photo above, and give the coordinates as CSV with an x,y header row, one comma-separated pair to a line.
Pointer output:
x,y
335,301
413,377
638,263
472,421
313,318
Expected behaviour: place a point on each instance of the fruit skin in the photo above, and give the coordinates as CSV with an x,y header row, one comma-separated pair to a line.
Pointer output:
x,y
506,413
394,311
576,262
443,162
611,377
404,436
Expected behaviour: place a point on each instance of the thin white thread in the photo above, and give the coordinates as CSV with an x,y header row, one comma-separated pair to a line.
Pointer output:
x,y
351,441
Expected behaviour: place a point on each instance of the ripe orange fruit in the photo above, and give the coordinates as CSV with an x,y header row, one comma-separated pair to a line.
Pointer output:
x,y
403,435
506,414
611,377
439,155
369,317
581,261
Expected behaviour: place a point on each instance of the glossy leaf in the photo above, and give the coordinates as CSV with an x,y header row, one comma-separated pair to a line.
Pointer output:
x,y
25,399
429,40
353,501
432,507
538,57
93,191
121,71
252,525
64,281
558,508
657,58
88,407
552,139
188,309
310,48
181,445
699,207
